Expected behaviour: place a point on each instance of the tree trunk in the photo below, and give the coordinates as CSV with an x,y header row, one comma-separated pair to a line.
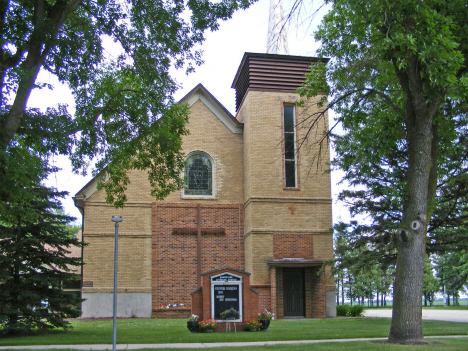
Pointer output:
x,y
406,324
342,289
43,38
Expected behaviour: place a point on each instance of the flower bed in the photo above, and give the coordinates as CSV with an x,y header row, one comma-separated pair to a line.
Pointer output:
x,y
208,325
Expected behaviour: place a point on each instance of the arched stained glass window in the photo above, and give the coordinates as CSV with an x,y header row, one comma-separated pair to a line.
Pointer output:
x,y
198,175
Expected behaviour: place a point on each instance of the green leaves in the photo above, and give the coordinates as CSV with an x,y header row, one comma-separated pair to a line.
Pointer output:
x,y
392,63
35,242
397,83
123,92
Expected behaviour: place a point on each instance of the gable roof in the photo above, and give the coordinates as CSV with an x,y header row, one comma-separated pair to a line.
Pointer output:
x,y
202,94
197,93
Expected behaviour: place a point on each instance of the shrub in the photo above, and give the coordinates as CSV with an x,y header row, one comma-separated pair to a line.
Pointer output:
x,y
342,310
356,311
349,311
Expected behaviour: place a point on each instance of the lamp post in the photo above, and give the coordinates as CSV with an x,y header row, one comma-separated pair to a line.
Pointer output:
x,y
116,220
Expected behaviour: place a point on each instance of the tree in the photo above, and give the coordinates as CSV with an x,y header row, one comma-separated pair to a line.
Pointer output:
x,y
430,283
452,273
125,114
398,72
366,273
34,246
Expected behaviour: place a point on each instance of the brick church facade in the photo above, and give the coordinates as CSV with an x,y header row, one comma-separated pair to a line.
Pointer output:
x,y
250,203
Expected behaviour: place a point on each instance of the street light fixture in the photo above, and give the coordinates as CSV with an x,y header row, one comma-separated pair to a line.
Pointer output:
x,y
116,220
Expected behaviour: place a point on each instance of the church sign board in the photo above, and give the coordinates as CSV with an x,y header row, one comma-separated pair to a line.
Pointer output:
x,y
226,293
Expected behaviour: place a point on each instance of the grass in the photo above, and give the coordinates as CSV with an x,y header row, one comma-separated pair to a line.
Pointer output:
x,y
157,331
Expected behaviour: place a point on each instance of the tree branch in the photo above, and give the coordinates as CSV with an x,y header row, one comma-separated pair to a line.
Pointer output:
x,y
34,61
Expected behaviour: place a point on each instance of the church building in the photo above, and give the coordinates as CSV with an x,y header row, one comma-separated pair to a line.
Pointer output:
x,y
253,201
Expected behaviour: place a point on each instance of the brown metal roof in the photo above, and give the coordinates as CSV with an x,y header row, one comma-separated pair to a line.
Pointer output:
x,y
271,72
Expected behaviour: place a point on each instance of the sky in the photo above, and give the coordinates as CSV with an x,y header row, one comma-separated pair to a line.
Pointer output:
x,y
223,50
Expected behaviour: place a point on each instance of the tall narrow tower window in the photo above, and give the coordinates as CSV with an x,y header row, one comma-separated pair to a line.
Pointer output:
x,y
289,147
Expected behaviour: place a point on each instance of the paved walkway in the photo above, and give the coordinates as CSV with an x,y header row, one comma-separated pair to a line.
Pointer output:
x,y
427,314
201,345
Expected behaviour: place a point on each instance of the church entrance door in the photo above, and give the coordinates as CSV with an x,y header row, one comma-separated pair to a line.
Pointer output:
x,y
293,293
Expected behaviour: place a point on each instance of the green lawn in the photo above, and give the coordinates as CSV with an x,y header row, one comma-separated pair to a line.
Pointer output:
x,y
154,331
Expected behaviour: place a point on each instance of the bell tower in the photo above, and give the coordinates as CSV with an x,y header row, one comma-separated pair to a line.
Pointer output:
x,y
287,203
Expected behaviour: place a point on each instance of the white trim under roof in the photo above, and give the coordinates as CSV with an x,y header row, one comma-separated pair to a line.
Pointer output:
x,y
200,93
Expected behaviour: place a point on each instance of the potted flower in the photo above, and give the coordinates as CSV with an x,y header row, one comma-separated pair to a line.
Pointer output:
x,y
265,318
252,325
208,325
192,323
229,314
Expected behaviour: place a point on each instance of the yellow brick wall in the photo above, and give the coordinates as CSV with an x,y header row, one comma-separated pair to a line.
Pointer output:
x,y
99,264
134,246
266,202
275,213
136,218
261,113
261,248
208,134
323,246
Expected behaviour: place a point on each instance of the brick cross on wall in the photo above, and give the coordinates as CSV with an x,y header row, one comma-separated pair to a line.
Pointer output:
x,y
292,208
199,230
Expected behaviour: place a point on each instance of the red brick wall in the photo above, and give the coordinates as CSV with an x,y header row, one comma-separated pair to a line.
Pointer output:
x,y
279,293
293,246
197,303
316,287
264,299
170,313
174,270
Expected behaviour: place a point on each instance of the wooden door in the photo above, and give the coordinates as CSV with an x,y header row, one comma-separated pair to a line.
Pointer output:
x,y
293,292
